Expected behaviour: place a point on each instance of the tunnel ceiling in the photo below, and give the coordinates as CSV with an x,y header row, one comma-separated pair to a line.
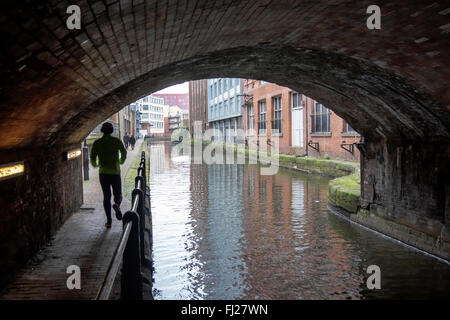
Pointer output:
x,y
58,84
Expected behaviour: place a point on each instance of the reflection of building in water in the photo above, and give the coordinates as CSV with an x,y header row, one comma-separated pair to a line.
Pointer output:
x,y
268,233
224,234
283,220
199,190
197,242
157,163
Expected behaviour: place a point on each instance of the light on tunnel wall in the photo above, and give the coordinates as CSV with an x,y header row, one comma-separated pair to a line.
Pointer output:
x,y
11,170
69,155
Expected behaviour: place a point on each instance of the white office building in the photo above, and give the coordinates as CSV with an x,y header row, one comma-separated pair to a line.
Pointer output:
x,y
151,111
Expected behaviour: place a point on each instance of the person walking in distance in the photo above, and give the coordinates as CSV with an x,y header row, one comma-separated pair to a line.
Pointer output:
x,y
107,150
132,142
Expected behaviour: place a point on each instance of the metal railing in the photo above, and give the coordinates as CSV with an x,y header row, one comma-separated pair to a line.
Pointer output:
x,y
130,252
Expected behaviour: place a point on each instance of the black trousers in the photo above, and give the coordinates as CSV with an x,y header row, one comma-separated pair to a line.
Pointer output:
x,y
108,181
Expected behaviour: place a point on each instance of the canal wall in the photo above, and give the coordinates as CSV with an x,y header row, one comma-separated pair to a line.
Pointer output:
x,y
326,167
156,139
344,193
344,197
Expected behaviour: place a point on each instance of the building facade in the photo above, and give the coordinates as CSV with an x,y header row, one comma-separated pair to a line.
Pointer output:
x,y
225,108
198,106
127,121
302,125
185,119
175,99
329,134
151,111
174,115
124,122
267,115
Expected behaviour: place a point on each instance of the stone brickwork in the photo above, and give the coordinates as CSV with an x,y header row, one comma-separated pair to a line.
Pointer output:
x,y
408,185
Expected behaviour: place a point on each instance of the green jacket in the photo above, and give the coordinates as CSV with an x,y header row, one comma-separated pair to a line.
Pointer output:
x,y
107,150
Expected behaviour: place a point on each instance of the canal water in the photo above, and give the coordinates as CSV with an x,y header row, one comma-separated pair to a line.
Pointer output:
x,y
227,232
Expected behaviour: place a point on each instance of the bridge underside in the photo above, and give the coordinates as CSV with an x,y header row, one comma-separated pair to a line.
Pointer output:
x,y
391,85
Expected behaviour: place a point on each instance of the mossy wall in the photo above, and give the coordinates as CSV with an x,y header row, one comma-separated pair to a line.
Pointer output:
x,y
330,168
344,192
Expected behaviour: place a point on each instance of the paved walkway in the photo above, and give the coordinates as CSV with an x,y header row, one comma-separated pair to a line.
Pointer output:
x,y
83,240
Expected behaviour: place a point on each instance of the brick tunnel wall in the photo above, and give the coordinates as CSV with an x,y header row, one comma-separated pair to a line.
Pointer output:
x,y
408,184
34,205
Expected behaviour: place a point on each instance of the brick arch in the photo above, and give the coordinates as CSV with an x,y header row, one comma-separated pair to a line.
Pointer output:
x,y
54,80
374,101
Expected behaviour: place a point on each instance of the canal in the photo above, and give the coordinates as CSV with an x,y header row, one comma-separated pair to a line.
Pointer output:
x,y
227,232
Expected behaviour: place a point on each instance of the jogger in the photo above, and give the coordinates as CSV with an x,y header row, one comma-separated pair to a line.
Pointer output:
x,y
107,149
108,181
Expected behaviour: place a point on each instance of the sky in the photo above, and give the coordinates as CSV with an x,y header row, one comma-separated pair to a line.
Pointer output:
x,y
178,88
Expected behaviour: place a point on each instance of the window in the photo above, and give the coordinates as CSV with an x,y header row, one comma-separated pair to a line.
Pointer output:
x,y
225,84
262,126
251,117
145,107
320,119
276,122
220,86
349,129
297,102
225,107
232,105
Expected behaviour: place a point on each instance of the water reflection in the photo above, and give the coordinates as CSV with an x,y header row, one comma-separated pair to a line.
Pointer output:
x,y
225,232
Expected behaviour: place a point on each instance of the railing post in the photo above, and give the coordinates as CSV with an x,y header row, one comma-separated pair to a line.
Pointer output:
x,y
131,265
144,173
141,213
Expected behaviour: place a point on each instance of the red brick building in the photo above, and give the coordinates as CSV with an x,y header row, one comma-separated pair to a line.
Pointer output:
x,y
302,125
266,113
175,99
198,104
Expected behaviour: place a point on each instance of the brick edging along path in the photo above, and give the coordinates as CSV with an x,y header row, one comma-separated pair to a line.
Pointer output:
x,y
83,240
